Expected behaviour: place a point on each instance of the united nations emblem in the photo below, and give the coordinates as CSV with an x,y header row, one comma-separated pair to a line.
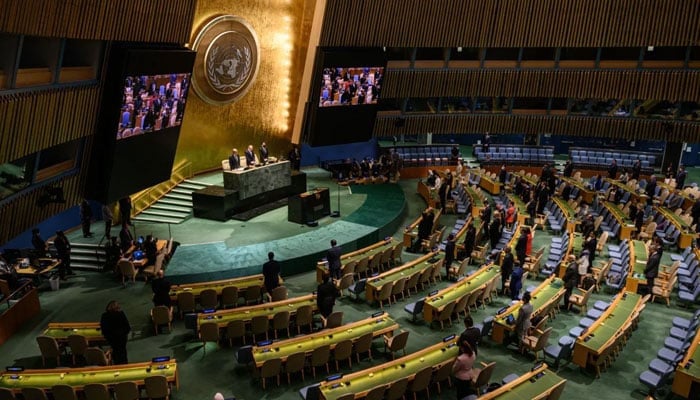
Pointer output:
x,y
227,60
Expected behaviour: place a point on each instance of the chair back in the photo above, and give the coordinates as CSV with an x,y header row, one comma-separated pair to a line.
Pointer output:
x,y
7,394
399,286
96,356
421,380
259,324
235,329
126,268
253,294
161,315
320,355
78,344
304,315
48,346
126,391
397,251
543,339
185,302
229,296
295,362
556,392
362,266
157,386
209,332
334,320
63,392
208,299
397,389
348,268
399,341
96,391
32,393
280,320
376,393
385,291
279,293
343,350
485,375
461,304
345,282
364,343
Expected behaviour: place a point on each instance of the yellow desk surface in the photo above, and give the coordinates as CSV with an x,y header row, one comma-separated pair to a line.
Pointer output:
x,y
687,234
638,261
375,284
688,372
547,293
527,386
307,343
30,270
79,377
61,330
604,330
223,317
435,303
626,224
196,288
369,251
360,382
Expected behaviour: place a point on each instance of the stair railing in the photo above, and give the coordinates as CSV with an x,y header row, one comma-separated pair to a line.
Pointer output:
x,y
146,198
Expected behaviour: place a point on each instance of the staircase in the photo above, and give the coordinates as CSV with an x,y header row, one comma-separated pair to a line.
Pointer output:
x,y
84,256
173,208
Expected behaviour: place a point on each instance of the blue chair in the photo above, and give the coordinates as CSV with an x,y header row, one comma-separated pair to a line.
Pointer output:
x,y
575,332
601,305
652,380
509,378
685,323
485,326
358,288
560,351
415,309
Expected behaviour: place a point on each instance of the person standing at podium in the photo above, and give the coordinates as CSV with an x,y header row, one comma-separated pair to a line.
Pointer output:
x,y
234,160
250,156
264,154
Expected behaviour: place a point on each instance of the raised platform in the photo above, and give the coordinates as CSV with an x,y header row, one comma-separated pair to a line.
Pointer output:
x,y
379,216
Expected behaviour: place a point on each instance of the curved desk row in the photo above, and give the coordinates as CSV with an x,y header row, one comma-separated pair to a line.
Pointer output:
x,y
546,295
377,326
374,285
79,377
366,252
61,330
223,317
361,382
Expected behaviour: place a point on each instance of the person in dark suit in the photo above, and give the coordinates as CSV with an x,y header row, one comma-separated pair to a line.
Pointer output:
x,y
326,293
650,190
506,267
495,231
264,153
295,158
612,170
333,257
125,237
125,209
425,228
150,247
521,247
571,279
86,217
115,329
63,252
271,272
636,169
469,240
161,290
234,160
651,271
470,334
38,242
680,177
250,156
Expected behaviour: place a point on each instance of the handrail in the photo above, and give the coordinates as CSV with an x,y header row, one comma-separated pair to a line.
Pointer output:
x,y
145,198
18,293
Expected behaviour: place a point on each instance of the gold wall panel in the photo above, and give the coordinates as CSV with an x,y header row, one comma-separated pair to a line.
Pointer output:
x,y
143,21
627,128
511,23
672,85
32,121
266,112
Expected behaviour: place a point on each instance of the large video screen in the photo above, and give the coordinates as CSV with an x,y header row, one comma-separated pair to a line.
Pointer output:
x,y
344,86
151,103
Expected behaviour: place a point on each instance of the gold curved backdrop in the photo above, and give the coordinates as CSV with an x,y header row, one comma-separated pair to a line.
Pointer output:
x,y
266,112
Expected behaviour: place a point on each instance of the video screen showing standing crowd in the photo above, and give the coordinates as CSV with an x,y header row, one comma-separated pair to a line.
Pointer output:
x,y
342,86
151,103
